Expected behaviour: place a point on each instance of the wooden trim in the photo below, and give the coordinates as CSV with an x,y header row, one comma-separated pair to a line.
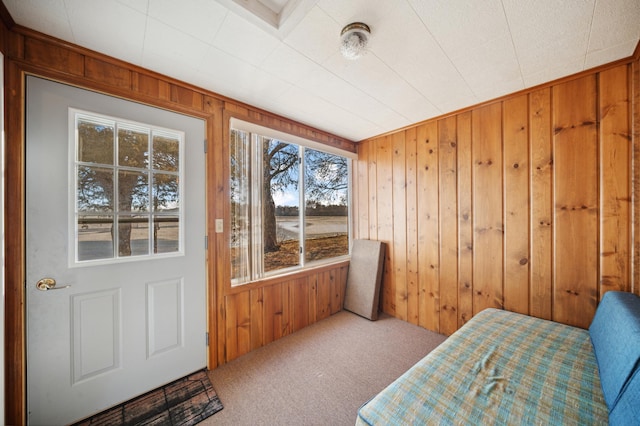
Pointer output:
x,y
635,173
248,112
6,17
223,260
213,205
28,34
14,323
301,273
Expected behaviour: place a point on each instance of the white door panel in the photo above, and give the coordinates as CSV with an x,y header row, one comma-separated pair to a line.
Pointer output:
x,y
119,329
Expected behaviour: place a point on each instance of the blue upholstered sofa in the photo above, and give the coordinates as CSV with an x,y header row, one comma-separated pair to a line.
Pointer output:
x,y
508,368
615,335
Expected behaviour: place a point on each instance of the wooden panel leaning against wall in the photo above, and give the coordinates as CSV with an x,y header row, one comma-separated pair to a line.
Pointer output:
x,y
522,204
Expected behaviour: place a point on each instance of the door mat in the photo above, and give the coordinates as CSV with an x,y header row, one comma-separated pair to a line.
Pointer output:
x,y
184,402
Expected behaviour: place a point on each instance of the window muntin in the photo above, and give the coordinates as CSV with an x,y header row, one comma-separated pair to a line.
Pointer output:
x,y
289,205
126,190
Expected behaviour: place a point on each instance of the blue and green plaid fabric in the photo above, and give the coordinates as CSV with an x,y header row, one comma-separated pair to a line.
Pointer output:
x,y
500,368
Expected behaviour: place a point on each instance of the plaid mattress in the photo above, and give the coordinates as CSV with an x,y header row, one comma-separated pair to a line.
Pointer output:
x,y
500,368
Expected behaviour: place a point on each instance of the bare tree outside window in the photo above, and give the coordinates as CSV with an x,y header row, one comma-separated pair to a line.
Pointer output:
x,y
281,165
326,197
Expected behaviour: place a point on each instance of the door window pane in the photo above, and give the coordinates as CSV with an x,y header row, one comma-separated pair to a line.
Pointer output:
x,y
95,237
166,232
166,153
130,189
133,191
165,192
133,147
94,189
133,235
95,140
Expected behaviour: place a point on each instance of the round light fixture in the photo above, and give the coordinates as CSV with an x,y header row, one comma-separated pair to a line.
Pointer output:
x,y
353,40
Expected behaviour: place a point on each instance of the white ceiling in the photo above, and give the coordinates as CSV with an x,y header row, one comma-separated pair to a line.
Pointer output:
x,y
425,58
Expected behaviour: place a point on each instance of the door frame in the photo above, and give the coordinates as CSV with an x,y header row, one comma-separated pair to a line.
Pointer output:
x,y
15,196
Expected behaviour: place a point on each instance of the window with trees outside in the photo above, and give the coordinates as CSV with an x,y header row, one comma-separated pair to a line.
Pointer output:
x,y
126,189
289,203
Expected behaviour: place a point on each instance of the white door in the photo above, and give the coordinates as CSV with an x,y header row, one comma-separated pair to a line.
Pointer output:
x,y
122,224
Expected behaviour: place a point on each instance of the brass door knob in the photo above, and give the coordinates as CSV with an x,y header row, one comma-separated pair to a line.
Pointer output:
x,y
48,284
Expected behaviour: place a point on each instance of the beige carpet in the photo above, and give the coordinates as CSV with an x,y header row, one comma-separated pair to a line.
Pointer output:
x,y
320,375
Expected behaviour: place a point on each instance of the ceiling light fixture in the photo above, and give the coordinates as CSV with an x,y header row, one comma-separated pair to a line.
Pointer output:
x,y
353,40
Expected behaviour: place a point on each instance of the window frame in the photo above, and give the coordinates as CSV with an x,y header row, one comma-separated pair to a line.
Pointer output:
x,y
257,130
75,115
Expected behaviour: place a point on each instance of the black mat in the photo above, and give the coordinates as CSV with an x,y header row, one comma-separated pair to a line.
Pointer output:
x,y
184,402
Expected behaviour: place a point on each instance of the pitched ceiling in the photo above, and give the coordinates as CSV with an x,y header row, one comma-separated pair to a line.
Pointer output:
x,y
425,57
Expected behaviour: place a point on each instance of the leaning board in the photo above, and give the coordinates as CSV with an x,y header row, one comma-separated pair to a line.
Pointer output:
x,y
363,281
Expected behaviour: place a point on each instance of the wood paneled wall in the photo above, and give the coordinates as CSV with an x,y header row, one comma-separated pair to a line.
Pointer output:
x,y
239,319
522,204
259,314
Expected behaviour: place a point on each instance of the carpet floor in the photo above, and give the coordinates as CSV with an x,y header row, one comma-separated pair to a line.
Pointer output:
x,y
184,402
319,375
